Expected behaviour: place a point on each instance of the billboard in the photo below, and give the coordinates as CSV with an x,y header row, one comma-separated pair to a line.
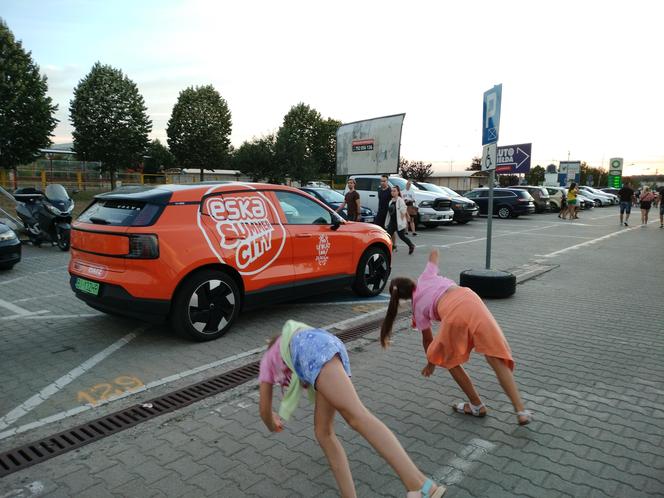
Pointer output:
x,y
371,146
513,159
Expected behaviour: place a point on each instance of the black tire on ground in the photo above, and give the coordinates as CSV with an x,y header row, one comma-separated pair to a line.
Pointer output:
x,y
6,266
372,273
462,222
504,212
206,305
489,283
63,240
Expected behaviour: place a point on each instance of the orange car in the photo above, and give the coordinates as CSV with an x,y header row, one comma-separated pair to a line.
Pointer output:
x,y
197,254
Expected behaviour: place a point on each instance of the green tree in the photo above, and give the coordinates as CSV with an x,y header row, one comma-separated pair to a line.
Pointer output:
x,y
110,120
256,160
325,147
298,144
157,158
26,113
535,176
199,129
599,175
415,170
475,164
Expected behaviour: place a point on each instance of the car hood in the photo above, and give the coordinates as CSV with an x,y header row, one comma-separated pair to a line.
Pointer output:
x,y
462,199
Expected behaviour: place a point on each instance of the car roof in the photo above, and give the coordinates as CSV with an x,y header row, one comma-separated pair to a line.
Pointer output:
x,y
190,192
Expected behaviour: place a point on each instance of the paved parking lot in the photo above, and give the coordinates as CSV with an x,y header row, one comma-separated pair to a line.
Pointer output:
x,y
586,332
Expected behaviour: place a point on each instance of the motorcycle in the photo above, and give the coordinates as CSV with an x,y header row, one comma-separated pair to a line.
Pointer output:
x,y
45,215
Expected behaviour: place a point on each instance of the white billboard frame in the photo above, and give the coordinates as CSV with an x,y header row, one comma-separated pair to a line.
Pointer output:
x,y
370,146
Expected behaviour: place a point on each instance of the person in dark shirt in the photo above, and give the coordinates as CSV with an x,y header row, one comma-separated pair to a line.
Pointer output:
x,y
384,197
351,202
626,195
660,191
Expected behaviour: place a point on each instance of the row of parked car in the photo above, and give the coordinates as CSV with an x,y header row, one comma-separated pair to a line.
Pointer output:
x,y
438,205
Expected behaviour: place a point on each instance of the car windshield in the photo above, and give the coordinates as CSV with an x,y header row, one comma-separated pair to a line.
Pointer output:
x,y
330,195
433,188
400,182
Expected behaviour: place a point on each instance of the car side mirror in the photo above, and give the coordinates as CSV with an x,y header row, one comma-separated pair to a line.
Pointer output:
x,y
336,223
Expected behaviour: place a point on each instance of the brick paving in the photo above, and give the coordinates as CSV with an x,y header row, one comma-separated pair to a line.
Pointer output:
x,y
587,337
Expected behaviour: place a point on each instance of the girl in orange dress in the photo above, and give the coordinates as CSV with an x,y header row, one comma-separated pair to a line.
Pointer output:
x,y
466,324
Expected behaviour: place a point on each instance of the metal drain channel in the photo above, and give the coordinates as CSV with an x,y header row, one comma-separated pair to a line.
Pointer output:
x,y
33,453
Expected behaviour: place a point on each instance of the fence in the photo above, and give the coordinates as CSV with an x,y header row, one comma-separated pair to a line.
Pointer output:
x,y
78,175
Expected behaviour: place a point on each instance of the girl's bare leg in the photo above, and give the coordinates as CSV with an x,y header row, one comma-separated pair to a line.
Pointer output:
x,y
506,379
336,456
334,385
466,385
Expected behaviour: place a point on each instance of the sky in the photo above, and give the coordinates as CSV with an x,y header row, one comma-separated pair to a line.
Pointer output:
x,y
581,80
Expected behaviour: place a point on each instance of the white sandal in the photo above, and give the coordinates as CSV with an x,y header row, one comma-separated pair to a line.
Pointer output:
x,y
528,417
475,410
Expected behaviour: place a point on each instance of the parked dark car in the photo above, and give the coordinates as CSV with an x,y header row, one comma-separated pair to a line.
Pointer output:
x,y
507,202
464,209
540,196
334,199
10,247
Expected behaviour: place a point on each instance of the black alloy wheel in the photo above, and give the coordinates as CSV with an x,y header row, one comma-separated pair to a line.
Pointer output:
x,y
372,273
206,306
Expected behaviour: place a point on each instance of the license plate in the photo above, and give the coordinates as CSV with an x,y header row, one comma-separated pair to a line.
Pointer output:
x,y
368,219
87,286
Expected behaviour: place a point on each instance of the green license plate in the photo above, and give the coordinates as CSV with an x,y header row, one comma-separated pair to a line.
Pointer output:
x,y
87,286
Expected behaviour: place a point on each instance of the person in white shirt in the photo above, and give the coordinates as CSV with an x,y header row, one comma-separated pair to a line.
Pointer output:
x,y
409,197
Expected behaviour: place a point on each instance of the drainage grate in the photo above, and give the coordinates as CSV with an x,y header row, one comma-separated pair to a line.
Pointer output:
x,y
25,456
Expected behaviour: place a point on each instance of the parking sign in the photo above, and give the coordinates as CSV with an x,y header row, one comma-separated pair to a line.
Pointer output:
x,y
491,115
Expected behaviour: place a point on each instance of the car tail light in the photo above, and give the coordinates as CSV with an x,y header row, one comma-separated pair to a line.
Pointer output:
x,y
143,246
524,200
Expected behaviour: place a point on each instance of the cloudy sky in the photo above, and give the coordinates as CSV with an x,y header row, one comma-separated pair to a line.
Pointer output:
x,y
581,79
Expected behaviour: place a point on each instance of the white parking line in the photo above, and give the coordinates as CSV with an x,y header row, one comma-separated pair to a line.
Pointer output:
x,y
53,388
12,307
458,467
588,242
39,315
505,234
178,376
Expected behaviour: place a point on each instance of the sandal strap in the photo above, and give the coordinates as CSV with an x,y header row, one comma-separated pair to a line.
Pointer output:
x,y
426,487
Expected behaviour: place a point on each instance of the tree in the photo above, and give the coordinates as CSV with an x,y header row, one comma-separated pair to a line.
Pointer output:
x,y
110,120
157,158
297,148
535,176
599,175
256,160
199,129
415,170
475,165
26,113
325,148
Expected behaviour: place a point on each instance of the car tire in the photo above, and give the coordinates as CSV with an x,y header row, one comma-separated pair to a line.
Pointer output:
x,y
504,212
372,273
206,305
489,283
462,222
6,266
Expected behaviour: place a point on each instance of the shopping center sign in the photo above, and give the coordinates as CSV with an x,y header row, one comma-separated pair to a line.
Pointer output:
x,y
513,159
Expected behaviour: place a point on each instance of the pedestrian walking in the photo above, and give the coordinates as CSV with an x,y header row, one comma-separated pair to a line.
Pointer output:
x,y
384,196
572,192
660,192
645,202
396,220
302,357
411,207
351,202
466,324
626,195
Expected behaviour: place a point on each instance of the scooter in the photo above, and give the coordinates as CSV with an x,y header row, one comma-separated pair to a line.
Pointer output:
x,y
46,215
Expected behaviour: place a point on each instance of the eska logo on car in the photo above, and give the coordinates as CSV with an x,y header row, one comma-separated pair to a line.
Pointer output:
x,y
196,255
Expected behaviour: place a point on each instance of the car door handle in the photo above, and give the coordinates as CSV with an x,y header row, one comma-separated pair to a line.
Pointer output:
x,y
302,235
372,195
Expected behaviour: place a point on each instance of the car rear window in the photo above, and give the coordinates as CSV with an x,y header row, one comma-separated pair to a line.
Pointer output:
x,y
523,194
117,212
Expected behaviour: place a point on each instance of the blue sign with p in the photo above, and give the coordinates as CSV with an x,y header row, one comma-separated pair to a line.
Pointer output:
x,y
491,115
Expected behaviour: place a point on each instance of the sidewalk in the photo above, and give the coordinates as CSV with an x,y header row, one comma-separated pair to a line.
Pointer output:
x,y
588,342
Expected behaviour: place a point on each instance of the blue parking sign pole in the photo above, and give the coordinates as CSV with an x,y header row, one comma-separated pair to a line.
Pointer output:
x,y
490,129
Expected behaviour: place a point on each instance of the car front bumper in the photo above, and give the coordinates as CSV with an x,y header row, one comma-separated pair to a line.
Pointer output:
x,y
432,217
10,252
